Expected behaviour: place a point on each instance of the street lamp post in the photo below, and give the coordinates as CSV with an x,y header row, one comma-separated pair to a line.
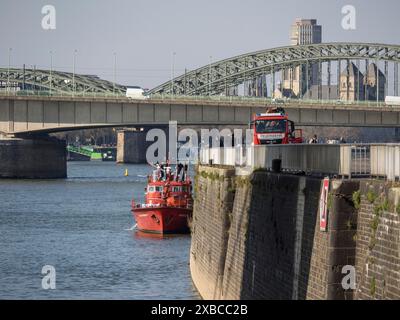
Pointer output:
x,y
9,66
51,71
173,72
73,72
377,81
34,78
115,71
209,78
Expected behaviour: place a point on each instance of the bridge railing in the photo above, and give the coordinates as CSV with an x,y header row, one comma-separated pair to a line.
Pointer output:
x,y
43,93
267,100
344,160
258,101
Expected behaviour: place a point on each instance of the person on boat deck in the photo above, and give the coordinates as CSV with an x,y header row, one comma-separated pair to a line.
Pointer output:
x,y
185,169
179,170
157,172
168,172
162,172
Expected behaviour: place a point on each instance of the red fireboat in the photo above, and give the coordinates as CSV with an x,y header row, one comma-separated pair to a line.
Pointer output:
x,y
168,201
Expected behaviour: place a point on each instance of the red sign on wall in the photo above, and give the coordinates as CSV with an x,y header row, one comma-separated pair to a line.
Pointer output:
x,y
323,205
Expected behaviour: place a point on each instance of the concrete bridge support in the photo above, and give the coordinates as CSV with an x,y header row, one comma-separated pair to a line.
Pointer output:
x,y
32,158
131,146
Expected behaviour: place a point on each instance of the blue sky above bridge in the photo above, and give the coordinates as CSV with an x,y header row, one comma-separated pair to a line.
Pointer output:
x,y
144,34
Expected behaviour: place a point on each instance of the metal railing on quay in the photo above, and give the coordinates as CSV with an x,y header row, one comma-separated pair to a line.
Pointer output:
x,y
341,160
385,161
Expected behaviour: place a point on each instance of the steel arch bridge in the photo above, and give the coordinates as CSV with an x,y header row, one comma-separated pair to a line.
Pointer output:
x,y
57,82
217,77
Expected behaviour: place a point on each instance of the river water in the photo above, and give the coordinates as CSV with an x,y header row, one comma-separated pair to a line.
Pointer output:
x,y
80,226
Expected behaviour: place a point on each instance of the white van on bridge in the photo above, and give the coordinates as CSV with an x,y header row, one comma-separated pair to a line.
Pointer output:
x,y
137,93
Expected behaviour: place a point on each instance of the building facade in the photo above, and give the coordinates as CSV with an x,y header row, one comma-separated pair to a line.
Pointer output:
x,y
351,84
296,81
374,79
305,31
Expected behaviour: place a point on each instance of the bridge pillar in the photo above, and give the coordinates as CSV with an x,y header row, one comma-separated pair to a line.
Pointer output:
x,y
131,146
32,158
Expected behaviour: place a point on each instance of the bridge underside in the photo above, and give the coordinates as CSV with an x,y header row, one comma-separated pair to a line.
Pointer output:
x,y
35,115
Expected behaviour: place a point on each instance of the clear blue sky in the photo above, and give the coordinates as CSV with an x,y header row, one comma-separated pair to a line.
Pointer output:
x,y
144,33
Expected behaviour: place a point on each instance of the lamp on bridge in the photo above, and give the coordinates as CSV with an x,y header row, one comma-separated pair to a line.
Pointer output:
x,y
209,78
173,72
51,70
73,71
8,71
115,71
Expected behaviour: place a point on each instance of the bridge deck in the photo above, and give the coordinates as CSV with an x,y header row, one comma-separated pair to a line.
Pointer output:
x,y
51,114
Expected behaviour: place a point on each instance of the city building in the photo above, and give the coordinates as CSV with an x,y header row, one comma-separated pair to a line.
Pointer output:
x,y
372,81
323,92
256,87
354,85
294,80
305,31
351,84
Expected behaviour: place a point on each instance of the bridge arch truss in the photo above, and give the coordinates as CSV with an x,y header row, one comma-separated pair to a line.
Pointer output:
x,y
216,78
56,82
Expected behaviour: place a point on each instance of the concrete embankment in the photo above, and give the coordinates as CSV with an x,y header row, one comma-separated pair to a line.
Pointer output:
x,y
259,237
38,158
378,240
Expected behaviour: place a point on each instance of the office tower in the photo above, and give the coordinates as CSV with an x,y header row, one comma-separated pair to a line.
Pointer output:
x,y
294,80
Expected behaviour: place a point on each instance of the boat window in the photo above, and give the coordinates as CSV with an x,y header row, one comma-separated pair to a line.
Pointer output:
x,y
156,189
176,189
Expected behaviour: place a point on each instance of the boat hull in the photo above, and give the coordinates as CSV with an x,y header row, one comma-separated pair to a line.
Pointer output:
x,y
162,219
